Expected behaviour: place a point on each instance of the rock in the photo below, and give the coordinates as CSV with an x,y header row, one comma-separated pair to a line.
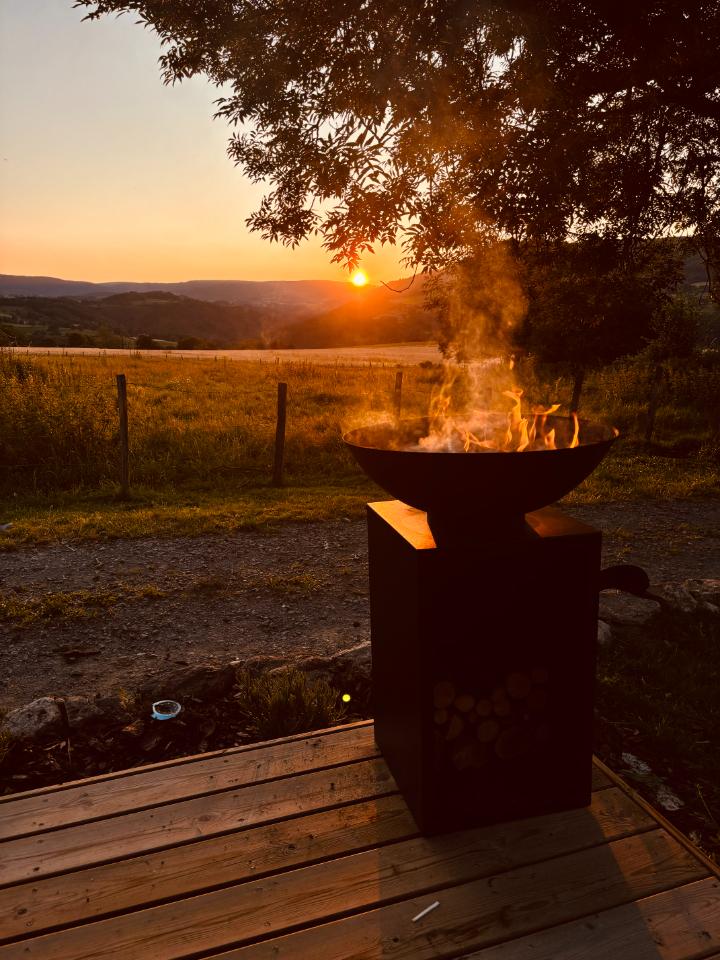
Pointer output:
x,y
199,682
626,610
679,598
604,633
667,798
707,591
347,670
39,720
83,713
113,708
258,665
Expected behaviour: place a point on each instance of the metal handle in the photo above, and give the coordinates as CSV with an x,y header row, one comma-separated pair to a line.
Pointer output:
x,y
626,577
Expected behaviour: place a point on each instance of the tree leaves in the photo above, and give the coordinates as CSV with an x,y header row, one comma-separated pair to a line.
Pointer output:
x,y
540,122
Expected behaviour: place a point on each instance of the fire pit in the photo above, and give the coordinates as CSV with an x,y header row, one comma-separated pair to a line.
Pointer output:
x,y
483,614
465,492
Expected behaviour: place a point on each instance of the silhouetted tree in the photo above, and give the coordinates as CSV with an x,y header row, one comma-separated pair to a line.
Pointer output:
x,y
586,308
442,123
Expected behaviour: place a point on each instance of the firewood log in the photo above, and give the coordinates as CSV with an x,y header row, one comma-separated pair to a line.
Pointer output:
x,y
537,700
464,702
518,685
539,675
487,730
483,708
501,706
455,727
443,694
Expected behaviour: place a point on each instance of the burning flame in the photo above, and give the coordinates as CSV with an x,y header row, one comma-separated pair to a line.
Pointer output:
x,y
485,431
576,435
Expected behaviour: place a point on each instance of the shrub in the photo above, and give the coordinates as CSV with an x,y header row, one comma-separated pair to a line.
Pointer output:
x,y
280,704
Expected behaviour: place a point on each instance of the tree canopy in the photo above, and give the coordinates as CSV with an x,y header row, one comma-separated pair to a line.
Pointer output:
x,y
441,123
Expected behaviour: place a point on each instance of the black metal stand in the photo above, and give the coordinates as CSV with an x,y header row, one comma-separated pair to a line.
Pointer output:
x,y
484,665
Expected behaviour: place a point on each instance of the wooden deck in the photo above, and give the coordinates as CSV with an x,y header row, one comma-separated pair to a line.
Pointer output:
x,y
303,849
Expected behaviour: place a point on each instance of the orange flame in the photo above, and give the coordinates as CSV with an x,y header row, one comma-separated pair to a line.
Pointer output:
x,y
576,435
524,438
521,433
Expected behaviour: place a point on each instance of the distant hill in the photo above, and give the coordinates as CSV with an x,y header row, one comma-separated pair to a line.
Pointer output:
x,y
296,313
49,321
227,313
281,299
371,315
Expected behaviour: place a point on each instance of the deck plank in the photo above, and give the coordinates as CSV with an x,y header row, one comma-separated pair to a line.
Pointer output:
x,y
302,848
472,914
680,924
549,890
599,780
94,801
133,834
180,761
182,871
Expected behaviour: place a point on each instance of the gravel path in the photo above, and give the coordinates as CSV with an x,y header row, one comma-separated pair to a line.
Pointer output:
x,y
114,613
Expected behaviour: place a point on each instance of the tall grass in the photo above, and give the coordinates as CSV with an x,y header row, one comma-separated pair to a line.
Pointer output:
x,y
210,422
189,420
689,401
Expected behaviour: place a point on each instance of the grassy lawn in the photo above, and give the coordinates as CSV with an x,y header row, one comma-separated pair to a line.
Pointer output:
x,y
195,509
201,442
172,512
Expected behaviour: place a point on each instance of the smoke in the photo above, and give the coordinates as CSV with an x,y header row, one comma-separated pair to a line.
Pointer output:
x,y
478,404
479,304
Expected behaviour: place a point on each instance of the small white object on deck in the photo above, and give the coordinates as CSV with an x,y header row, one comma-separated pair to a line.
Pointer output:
x,y
426,910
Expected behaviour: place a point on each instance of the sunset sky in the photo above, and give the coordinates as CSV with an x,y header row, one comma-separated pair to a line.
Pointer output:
x,y
106,174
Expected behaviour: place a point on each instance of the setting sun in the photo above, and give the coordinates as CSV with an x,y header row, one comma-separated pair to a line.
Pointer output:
x,y
359,278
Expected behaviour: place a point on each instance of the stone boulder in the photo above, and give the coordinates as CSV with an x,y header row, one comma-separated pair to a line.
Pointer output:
x,y
707,591
626,609
604,633
201,682
622,614
258,665
690,597
36,721
348,671
84,713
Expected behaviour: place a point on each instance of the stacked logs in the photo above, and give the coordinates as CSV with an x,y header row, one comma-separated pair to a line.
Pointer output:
x,y
504,723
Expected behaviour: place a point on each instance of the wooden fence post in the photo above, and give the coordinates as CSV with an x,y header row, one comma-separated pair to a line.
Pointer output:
x,y
124,448
398,393
280,435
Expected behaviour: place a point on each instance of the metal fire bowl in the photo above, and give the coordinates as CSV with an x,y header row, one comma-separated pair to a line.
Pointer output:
x,y
489,488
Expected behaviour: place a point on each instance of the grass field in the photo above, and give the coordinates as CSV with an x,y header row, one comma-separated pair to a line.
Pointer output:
x,y
202,433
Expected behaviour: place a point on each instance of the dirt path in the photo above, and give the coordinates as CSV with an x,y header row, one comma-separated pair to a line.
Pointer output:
x,y
102,616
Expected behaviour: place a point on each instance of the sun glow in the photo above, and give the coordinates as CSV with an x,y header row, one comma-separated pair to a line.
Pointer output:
x,y
359,278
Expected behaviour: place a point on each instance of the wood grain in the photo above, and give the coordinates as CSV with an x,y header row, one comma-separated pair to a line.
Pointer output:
x,y
416,867
180,761
181,871
485,912
681,924
92,801
136,833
